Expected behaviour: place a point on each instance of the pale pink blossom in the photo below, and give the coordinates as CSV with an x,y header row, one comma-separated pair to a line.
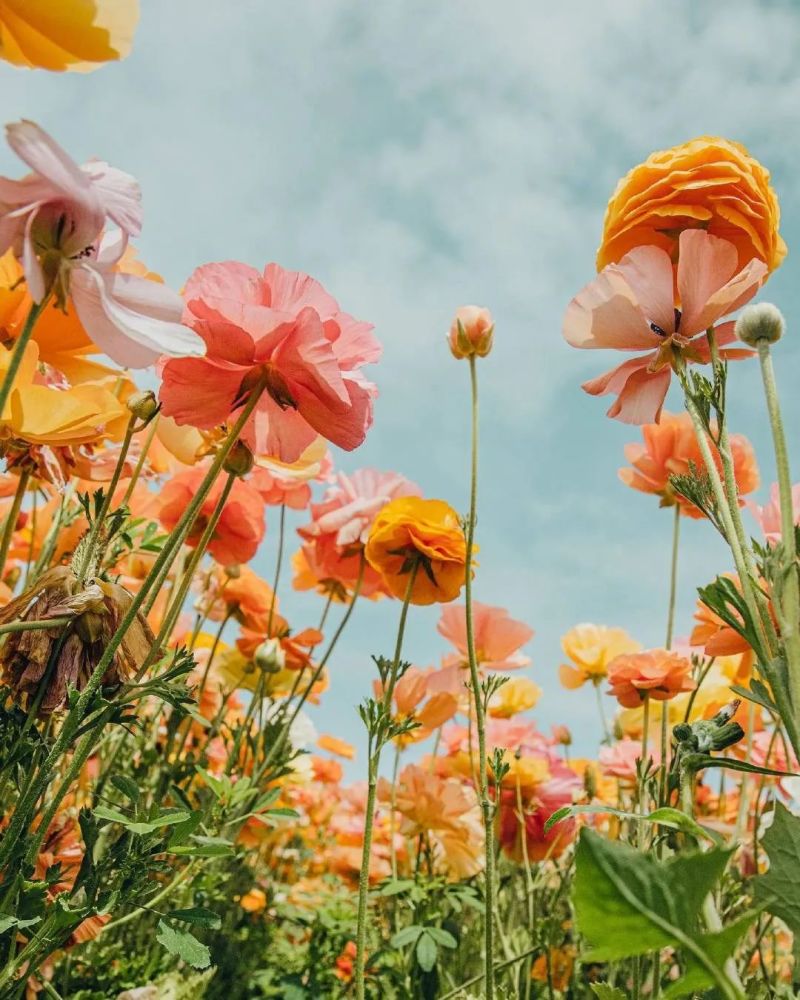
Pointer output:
x,y
631,306
59,213
769,516
619,760
498,636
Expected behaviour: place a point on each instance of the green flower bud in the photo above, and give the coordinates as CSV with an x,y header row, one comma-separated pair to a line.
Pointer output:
x,y
762,321
240,460
143,405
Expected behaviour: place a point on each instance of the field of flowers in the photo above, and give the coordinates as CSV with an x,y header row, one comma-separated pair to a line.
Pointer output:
x,y
166,830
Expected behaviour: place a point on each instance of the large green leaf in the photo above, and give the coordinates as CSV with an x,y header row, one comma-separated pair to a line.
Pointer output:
x,y
628,904
184,945
779,888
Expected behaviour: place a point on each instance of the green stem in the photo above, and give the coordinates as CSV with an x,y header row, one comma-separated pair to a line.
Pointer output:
x,y
137,471
791,591
34,626
11,521
18,351
26,803
278,564
374,757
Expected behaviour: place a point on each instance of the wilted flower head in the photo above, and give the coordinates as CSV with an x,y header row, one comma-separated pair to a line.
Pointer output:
x,y
54,219
95,610
632,306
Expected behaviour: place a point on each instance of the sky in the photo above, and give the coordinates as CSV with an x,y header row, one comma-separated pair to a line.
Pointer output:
x,y
415,157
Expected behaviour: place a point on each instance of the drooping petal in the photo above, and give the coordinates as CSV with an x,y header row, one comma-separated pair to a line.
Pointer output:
x,y
199,391
120,194
605,314
642,397
44,156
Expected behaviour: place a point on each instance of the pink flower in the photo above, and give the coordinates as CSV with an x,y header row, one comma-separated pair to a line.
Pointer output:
x,y
631,306
498,637
471,332
288,485
619,760
281,327
54,219
769,516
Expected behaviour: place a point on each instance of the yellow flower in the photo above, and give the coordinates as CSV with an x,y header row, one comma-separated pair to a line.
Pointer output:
x,y
591,648
517,695
66,34
410,530
707,183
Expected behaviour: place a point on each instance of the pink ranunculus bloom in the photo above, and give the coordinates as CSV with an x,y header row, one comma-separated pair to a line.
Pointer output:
x,y
631,306
619,760
55,220
769,516
283,328
498,637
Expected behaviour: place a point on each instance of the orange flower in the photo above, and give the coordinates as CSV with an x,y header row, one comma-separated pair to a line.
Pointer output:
x,y
240,594
410,530
239,530
254,901
334,745
68,35
654,673
670,448
707,183
591,648
558,971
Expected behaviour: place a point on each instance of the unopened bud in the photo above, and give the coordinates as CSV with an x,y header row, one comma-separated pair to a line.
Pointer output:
x,y
590,781
760,322
240,460
143,405
234,571
562,735
471,332
270,656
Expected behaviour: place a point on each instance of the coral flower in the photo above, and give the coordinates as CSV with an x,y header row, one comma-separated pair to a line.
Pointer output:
x,y
54,219
69,35
427,534
414,699
283,330
288,484
553,794
769,516
653,673
498,636
336,746
707,183
240,594
631,306
670,448
619,759
241,526
338,531
591,648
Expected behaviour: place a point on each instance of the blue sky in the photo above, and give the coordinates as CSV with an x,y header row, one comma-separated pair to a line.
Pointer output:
x,y
418,156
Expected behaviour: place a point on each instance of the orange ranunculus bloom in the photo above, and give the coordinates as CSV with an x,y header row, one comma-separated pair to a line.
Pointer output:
x,y
410,529
590,648
653,673
68,35
670,448
707,183
241,526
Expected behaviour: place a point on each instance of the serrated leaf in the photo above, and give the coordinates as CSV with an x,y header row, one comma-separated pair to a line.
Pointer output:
x,y
183,945
778,889
427,951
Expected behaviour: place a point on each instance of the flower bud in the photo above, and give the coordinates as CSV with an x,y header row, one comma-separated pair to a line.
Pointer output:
x,y
143,405
562,735
471,332
240,460
762,321
270,656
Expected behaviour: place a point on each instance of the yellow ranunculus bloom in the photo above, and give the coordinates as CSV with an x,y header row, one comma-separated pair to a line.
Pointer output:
x,y
66,34
707,183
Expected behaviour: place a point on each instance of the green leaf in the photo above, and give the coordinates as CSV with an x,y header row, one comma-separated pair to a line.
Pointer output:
x,y
396,886
672,818
778,889
717,947
198,915
427,951
628,904
112,815
7,921
184,945
442,937
406,936
606,992
127,786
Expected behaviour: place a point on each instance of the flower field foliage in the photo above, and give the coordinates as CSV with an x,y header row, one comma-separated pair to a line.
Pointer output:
x,y
170,828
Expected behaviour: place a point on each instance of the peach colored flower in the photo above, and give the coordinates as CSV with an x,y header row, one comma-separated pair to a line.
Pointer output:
x,y
518,694
653,673
631,306
280,327
56,217
769,516
619,759
241,526
238,593
334,745
471,332
414,699
708,183
670,448
335,537
498,636
428,532
69,35
288,484
591,648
